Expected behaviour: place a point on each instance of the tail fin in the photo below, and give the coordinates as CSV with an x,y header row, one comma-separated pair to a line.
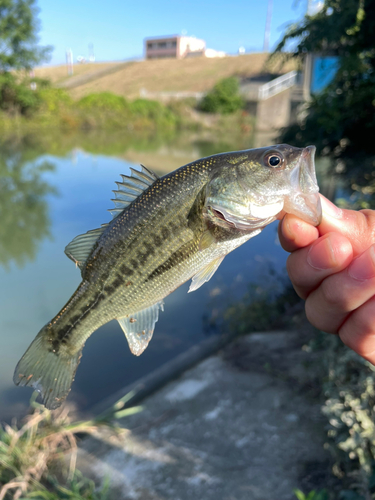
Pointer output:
x,y
51,374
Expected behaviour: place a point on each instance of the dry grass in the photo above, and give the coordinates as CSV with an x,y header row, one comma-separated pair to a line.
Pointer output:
x,y
160,75
31,453
58,74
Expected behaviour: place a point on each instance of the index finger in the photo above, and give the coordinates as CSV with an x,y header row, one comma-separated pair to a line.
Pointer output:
x,y
294,233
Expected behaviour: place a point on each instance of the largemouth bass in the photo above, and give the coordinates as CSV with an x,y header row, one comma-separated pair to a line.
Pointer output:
x,y
164,232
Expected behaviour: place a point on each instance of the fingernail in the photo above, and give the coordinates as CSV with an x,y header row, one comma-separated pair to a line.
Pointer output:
x,y
363,267
322,255
330,209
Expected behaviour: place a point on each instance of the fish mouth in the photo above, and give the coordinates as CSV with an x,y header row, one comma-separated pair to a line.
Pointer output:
x,y
305,200
224,218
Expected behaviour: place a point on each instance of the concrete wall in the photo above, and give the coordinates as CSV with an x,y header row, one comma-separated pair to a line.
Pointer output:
x,y
274,112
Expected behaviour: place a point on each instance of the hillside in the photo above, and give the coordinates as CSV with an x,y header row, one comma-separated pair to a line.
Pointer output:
x,y
160,75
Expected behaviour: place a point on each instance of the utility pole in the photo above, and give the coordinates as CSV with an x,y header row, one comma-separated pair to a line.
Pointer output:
x,y
69,61
267,32
91,53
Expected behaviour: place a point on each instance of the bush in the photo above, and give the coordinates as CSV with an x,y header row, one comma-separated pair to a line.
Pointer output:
x,y
104,101
53,99
223,98
348,393
152,113
19,97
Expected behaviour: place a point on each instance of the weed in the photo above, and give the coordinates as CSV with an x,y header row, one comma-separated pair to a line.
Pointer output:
x,y
31,454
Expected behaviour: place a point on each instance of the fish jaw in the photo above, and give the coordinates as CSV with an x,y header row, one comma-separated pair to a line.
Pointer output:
x,y
304,199
238,201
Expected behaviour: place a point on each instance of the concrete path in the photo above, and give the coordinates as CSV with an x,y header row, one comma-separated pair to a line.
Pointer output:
x,y
241,425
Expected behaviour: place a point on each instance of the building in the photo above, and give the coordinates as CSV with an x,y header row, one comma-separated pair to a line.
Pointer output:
x,y
174,46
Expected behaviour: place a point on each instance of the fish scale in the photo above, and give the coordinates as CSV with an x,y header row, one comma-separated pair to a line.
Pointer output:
x,y
164,232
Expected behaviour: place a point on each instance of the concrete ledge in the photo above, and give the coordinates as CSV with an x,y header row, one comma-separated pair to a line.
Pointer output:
x,y
167,372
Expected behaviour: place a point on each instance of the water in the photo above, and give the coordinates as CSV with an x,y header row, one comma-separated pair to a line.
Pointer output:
x,y
46,201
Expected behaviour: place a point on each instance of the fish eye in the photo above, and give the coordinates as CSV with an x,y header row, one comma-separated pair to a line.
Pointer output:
x,y
273,160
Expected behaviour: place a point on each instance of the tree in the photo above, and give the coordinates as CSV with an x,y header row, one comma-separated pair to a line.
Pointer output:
x,y
18,36
340,120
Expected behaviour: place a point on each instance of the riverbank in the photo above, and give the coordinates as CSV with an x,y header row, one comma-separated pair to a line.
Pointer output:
x,y
243,424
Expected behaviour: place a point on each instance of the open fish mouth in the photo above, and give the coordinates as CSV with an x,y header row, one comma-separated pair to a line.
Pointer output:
x,y
300,197
304,199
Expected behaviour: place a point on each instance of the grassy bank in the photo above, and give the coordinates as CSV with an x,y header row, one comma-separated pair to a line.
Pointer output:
x,y
51,109
54,108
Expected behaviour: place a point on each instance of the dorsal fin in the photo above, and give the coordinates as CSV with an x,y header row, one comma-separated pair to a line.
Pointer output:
x,y
80,247
131,187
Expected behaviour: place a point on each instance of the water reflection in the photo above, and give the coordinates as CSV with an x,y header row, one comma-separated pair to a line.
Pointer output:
x,y
23,207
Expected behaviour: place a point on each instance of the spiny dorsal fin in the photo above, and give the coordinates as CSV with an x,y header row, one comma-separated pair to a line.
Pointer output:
x,y
80,247
131,187
139,327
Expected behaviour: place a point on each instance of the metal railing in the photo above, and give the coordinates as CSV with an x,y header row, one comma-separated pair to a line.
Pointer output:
x,y
277,85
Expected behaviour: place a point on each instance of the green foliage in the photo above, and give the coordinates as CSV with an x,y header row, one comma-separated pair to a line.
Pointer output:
x,y
223,98
54,100
348,389
153,112
19,97
18,35
79,488
103,101
108,109
261,309
340,120
312,495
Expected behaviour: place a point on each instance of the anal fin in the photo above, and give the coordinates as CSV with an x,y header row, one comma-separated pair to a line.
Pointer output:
x,y
139,327
205,274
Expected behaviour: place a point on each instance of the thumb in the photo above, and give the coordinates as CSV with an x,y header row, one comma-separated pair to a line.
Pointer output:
x,y
357,226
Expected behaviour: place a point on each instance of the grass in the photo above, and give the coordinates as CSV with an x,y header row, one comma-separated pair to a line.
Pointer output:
x,y
33,456
160,75
59,74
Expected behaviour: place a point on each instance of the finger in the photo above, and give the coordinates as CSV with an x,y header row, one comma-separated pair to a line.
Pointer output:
x,y
358,331
357,226
330,304
309,266
295,233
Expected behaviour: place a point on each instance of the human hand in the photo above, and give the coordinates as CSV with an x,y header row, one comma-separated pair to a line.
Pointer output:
x,y
332,267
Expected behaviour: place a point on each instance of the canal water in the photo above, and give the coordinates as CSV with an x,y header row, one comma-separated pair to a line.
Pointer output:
x,y
48,199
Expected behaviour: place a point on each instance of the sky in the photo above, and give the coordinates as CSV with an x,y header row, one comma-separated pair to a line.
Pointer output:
x,y
117,28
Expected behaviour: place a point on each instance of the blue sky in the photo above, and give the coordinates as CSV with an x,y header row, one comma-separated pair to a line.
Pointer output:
x,y
117,27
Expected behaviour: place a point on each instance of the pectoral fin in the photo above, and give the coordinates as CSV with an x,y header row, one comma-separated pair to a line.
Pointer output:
x,y
205,274
139,327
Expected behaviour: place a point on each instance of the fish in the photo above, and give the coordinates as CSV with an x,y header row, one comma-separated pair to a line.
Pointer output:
x,y
164,232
